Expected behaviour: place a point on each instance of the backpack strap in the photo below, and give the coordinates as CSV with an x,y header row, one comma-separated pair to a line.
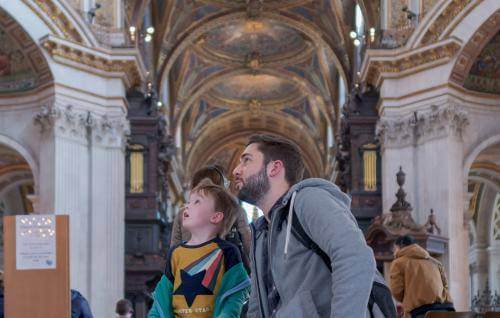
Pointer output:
x,y
301,235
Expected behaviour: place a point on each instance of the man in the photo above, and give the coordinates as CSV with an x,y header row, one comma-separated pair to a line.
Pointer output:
x,y
418,280
289,279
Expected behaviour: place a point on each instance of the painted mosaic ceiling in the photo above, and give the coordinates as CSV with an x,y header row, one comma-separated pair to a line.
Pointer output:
x,y
484,75
22,65
233,68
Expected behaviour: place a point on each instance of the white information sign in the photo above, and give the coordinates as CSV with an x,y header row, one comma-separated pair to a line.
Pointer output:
x,y
35,242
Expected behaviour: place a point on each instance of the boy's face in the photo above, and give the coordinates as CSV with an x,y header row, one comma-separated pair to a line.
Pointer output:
x,y
200,212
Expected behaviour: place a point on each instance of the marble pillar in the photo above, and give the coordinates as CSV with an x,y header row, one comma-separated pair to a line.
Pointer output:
x,y
428,145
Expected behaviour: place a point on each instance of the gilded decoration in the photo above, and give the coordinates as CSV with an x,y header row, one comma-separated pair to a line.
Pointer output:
x,y
94,61
397,17
56,16
415,60
239,67
106,16
484,76
436,30
477,65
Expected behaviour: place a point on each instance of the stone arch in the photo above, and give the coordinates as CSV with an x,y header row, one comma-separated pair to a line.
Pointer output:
x,y
473,48
469,159
446,17
26,154
54,17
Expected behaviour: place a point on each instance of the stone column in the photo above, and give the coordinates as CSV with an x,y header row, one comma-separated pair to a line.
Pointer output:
x,y
429,142
64,174
107,219
82,173
494,266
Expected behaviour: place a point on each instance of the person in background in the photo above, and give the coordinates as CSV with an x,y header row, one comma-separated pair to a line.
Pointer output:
x,y
79,306
239,232
124,309
418,280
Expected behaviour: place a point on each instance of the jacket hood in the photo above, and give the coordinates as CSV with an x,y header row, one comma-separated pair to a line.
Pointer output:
x,y
413,251
319,183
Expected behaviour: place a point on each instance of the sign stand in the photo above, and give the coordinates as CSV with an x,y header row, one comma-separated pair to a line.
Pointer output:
x,y
36,293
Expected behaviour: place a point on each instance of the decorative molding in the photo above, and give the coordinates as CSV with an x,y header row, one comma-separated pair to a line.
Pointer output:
x,y
56,16
64,120
128,65
111,132
443,21
77,124
473,48
418,128
380,64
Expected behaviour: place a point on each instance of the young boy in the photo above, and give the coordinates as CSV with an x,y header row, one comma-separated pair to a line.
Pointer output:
x,y
204,277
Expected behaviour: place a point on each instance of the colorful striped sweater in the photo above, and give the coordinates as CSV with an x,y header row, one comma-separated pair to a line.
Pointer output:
x,y
206,280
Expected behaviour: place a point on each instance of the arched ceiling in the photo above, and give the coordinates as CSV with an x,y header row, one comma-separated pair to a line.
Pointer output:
x,y
22,64
13,167
226,69
484,75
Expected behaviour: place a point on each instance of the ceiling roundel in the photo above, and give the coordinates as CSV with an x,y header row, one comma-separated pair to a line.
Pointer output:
x,y
261,87
238,40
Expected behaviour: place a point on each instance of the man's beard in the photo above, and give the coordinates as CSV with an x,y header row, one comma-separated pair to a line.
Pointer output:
x,y
255,187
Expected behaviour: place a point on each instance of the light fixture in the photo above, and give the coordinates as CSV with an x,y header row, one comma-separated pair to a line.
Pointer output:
x,y
372,34
132,29
356,42
353,34
150,30
159,104
148,38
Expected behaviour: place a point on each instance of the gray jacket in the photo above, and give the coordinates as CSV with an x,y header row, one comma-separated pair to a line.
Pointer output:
x,y
306,286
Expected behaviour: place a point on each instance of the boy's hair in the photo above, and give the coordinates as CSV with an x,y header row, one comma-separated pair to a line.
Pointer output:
x,y
405,240
223,202
276,148
215,173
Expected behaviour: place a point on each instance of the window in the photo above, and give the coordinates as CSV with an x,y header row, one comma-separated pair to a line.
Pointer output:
x,y
496,218
370,167
136,169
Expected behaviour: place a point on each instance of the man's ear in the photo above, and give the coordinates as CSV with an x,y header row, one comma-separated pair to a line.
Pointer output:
x,y
275,167
217,217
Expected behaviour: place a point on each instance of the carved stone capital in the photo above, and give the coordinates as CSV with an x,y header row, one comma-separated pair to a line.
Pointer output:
x,y
420,127
63,121
110,131
66,121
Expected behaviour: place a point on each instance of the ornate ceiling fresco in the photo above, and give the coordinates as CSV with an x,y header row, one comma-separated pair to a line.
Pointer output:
x,y
22,65
228,69
484,75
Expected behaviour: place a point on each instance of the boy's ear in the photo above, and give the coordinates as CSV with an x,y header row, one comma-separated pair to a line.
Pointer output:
x,y
217,217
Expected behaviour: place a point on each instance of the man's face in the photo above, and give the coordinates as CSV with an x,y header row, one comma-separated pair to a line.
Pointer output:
x,y
250,175
199,212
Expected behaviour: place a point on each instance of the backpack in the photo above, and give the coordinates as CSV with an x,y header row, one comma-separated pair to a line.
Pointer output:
x,y
380,303
234,236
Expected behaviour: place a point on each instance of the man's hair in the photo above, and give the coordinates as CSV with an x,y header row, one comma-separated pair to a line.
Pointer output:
x,y
215,173
405,240
223,202
123,307
276,148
